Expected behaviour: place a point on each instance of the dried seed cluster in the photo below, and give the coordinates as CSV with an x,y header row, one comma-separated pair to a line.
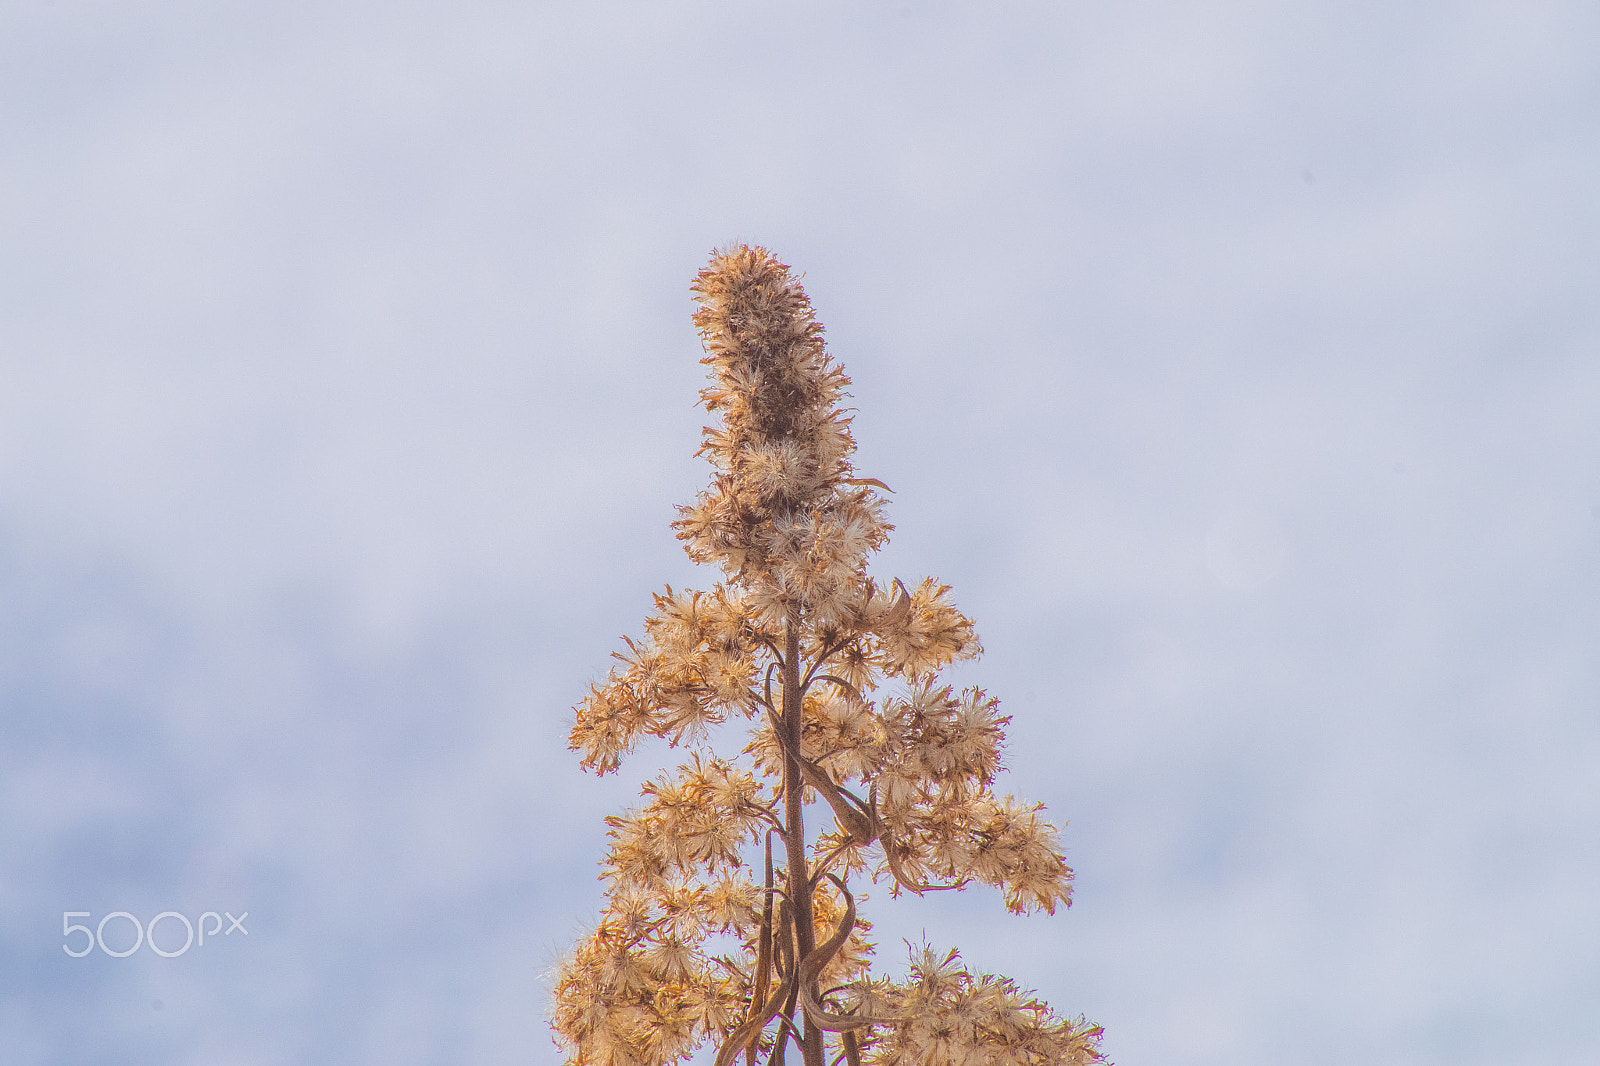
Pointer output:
x,y
707,934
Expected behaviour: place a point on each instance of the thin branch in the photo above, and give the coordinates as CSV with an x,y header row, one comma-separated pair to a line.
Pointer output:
x,y
824,657
857,821
751,1029
841,682
772,816
826,861
763,953
852,1051
767,642
893,855
787,1031
812,966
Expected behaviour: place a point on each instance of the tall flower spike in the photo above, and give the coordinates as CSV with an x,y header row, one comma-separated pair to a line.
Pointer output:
x,y
784,517
797,639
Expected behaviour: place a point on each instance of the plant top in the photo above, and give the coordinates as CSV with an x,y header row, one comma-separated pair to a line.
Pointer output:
x,y
724,921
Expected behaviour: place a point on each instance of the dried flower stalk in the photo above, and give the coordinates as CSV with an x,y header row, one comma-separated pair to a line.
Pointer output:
x,y
695,944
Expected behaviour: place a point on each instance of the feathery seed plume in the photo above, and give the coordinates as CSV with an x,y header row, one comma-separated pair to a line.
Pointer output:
x,y
731,916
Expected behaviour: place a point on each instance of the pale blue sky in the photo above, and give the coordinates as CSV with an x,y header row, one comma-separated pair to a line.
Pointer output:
x,y
1238,365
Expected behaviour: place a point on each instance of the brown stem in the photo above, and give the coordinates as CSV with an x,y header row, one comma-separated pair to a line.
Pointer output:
x,y
855,820
786,1032
852,1052
786,963
811,967
763,958
794,811
781,1002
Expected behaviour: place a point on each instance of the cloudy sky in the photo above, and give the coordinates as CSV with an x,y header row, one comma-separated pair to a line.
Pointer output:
x,y
1238,364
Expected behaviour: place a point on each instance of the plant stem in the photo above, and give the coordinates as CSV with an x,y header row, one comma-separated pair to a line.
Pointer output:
x,y
794,804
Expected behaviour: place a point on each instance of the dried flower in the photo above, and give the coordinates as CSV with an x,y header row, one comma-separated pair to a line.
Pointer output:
x,y
723,923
